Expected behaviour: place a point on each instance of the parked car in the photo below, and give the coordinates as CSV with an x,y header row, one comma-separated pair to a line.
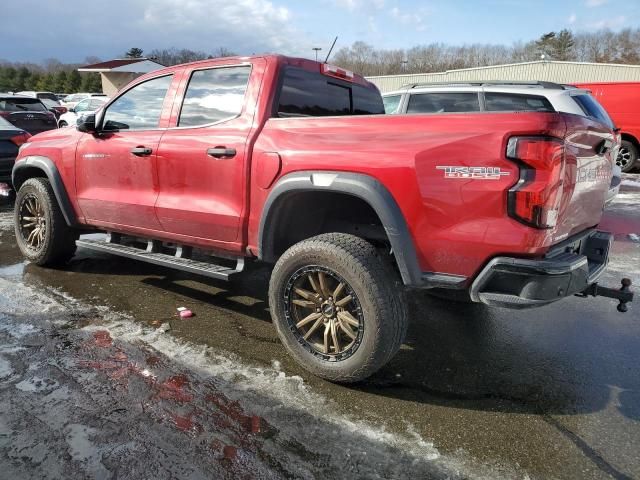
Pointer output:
x,y
72,100
293,162
622,101
11,137
82,108
49,99
61,96
502,96
27,113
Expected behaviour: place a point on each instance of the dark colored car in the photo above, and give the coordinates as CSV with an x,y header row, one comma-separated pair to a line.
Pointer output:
x,y
51,101
27,113
11,137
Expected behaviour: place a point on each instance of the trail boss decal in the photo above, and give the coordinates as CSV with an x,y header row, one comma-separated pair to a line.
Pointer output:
x,y
474,173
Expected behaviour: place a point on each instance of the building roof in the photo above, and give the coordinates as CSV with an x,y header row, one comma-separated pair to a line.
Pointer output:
x,y
136,65
541,70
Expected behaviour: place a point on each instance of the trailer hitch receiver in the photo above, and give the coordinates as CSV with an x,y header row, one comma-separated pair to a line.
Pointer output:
x,y
624,295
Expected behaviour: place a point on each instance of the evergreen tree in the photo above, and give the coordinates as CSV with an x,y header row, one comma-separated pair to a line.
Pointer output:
x,y
562,46
7,79
60,81
21,79
134,53
74,82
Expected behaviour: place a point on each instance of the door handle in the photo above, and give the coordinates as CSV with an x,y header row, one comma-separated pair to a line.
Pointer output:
x,y
141,151
221,152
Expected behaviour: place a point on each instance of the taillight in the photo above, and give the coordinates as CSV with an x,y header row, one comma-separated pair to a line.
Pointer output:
x,y
535,199
5,114
20,139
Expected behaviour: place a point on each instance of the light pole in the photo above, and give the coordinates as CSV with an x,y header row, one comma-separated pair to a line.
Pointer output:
x,y
316,49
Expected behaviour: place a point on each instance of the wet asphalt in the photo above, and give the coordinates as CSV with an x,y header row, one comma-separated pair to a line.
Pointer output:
x,y
547,393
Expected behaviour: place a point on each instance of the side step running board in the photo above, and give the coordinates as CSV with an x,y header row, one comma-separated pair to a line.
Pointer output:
x,y
176,262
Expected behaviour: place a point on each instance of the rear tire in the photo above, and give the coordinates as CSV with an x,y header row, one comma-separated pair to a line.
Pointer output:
x,y
62,124
41,231
627,156
350,331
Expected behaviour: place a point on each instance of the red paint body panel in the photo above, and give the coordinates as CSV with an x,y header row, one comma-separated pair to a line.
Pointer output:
x,y
621,100
183,195
456,224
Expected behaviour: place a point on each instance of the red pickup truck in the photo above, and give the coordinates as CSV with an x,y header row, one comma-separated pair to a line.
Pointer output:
x,y
622,102
293,162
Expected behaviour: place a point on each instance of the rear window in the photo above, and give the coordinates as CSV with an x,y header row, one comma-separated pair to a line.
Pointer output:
x,y
21,105
449,102
593,109
309,94
391,103
512,102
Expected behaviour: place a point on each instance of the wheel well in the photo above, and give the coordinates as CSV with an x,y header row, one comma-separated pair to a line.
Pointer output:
x,y
630,138
297,216
26,173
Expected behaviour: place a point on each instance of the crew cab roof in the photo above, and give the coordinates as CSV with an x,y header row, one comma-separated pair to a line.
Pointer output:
x,y
280,59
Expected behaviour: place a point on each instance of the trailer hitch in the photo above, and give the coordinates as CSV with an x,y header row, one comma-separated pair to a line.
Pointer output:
x,y
624,295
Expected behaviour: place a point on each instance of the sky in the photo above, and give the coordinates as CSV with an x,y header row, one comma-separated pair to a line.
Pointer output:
x,y
71,30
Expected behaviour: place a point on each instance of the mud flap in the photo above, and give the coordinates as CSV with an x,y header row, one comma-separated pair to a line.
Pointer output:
x,y
624,295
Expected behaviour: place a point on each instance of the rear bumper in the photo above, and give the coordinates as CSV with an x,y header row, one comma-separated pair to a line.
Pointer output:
x,y
569,268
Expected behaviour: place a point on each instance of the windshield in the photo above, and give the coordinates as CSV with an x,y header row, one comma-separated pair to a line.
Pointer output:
x,y
50,103
391,103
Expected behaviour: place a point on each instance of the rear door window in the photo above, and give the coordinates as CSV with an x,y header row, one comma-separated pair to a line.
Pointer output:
x,y
446,102
593,109
214,95
513,102
391,103
309,94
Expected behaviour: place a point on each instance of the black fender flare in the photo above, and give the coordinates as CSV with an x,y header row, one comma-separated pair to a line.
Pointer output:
x,y
359,185
21,172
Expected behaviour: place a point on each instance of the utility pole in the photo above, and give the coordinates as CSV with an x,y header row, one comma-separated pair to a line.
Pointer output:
x,y
316,49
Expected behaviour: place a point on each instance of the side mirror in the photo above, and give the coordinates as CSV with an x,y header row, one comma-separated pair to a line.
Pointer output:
x,y
86,124
72,110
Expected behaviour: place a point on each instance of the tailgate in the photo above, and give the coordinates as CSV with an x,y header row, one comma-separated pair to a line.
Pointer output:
x,y
589,149
33,122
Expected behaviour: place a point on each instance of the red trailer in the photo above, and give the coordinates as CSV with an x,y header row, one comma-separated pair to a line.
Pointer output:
x,y
622,102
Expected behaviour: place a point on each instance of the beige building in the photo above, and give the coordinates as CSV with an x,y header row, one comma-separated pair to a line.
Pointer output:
x,y
549,71
115,74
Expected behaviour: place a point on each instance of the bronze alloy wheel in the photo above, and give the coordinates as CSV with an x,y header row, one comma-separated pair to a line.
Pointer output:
x,y
33,222
324,313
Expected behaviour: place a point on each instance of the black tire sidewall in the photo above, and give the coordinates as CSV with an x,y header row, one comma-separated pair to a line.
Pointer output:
x,y
59,242
35,188
373,292
633,150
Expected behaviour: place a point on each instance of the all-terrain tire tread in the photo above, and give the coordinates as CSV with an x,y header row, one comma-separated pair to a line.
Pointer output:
x,y
61,239
380,281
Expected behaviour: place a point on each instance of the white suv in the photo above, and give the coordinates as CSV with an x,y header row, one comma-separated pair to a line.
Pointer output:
x,y
498,96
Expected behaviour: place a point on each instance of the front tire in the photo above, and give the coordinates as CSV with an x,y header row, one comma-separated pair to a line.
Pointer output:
x,y
337,307
627,156
41,231
62,124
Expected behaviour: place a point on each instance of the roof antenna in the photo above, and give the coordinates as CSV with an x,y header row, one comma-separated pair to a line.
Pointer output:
x,y
331,49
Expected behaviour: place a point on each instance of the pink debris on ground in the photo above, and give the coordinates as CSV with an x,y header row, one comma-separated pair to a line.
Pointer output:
x,y
185,312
